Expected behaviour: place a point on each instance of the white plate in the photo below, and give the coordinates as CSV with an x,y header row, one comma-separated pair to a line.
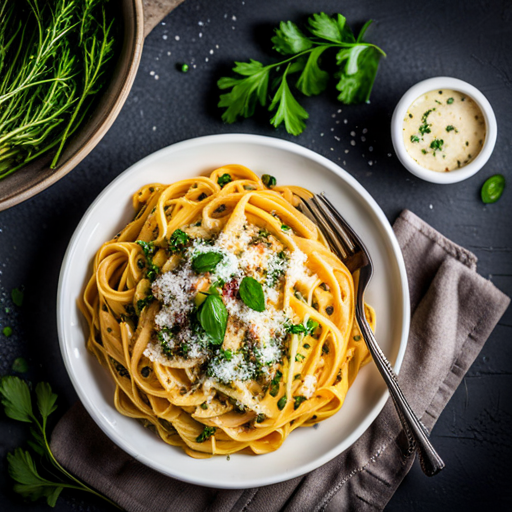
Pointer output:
x,y
306,448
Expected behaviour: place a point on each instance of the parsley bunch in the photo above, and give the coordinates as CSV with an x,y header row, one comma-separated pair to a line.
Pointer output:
x,y
356,59
30,483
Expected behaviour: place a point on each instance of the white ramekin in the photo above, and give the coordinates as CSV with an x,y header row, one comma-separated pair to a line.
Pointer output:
x,y
432,84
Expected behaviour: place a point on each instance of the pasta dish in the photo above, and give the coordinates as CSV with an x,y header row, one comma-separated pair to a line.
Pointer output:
x,y
223,316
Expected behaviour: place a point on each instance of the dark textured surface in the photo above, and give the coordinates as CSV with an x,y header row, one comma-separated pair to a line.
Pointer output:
x,y
468,40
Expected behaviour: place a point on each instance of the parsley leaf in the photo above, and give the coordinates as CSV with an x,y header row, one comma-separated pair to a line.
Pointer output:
x,y
289,109
331,29
356,78
16,399
313,80
289,39
17,402
245,92
357,61
31,485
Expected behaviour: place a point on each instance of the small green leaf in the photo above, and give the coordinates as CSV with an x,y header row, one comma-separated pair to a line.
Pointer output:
x,y
246,92
493,188
289,39
282,402
16,399
251,292
313,80
206,261
359,65
17,296
20,365
335,30
289,110
213,317
7,331
45,399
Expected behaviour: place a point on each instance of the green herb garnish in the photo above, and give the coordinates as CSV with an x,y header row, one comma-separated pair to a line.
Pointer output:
x,y
415,138
492,189
449,101
213,317
149,249
297,401
282,402
206,261
274,384
356,59
251,292
205,434
450,128
436,145
184,68
179,239
20,365
17,296
7,331
268,180
309,328
224,180
33,482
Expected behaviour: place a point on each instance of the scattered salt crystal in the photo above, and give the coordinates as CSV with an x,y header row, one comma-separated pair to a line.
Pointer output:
x,y
321,135
389,154
365,130
211,52
352,142
370,148
164,37
200,34
345,121
206,59
431,207
344,162
233,18
337,138
332,149
154,128
168,53
370,162
337,122
353,134
346,150
217,46
333,116
363,138
233,28
177,38
339,111
152,73
156,77
200,23
332,129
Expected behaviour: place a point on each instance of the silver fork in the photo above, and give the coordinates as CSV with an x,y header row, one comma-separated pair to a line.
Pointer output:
x,y
351,250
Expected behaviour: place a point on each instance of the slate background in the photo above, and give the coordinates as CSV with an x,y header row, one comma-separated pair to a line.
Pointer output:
x,y
470,40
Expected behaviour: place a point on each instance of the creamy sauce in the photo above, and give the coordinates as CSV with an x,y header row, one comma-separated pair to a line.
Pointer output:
x,y
444,130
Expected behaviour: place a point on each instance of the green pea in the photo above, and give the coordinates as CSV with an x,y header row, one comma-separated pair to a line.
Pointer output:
x,y
493,188
184,68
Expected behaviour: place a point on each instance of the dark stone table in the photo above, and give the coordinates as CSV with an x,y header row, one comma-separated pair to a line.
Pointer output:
x,y
470,40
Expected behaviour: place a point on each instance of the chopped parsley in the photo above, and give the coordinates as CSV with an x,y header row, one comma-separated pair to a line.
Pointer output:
x,y
449,101
436,145
224,180
282,402
415,138
179,239
268,180
297,401
205,434
450,128
274,385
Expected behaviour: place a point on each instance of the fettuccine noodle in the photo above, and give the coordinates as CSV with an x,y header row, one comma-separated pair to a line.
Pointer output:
x,y
223,316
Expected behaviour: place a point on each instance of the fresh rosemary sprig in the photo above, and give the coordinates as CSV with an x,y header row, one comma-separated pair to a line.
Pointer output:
x,y
52,63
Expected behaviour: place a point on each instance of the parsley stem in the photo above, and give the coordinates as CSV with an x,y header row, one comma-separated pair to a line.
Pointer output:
x,y
81,486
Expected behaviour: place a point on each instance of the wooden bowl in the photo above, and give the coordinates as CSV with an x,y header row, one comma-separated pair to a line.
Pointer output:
x,y
37,175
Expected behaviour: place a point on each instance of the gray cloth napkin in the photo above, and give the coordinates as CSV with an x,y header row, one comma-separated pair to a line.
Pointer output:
x,y
454,311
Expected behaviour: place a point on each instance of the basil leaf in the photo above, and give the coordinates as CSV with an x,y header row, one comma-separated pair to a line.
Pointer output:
x,y
252,294
206,261
213,317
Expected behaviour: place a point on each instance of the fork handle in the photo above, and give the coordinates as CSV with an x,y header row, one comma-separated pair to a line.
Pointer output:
x,y
417,434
